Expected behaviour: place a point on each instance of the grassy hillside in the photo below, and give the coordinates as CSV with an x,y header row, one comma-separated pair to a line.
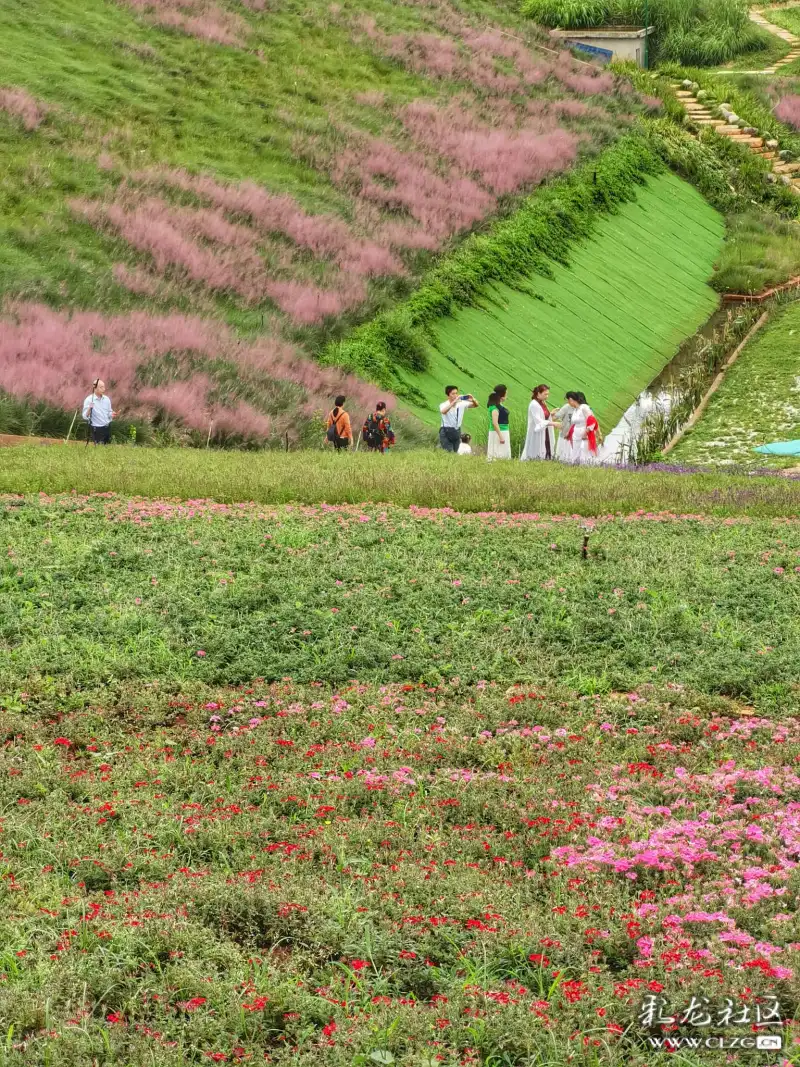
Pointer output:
x,y
231,186
758,401
606,324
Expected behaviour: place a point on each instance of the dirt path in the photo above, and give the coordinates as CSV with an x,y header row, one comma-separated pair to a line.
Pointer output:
x,y
8,440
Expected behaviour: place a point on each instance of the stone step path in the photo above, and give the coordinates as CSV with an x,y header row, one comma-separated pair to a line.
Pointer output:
x,y
758,17
725,122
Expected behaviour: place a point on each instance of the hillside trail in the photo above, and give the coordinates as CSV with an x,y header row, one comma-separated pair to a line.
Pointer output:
x,y
729,124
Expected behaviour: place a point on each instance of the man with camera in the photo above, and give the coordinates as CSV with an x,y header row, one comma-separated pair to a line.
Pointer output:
x,y
452,411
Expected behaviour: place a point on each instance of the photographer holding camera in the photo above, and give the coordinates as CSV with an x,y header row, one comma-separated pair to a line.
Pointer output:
x,y
452,411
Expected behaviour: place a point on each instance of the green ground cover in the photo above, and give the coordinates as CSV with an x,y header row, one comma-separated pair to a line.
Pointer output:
x,y
106,588
269,793
758,401
788,18
427,480
396,874
606,324
761,250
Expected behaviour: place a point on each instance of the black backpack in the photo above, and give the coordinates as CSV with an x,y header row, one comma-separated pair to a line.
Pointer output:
x,y
373,436
333,434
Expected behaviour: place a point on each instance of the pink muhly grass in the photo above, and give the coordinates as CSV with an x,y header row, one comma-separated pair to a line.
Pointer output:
x,y
105,161
305,303
788,110
21,105
442,205
324,235
157,228
197,18
583,81
54,356
135,280
504,159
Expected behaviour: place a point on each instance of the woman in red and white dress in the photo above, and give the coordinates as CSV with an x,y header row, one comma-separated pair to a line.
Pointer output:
x,y
584,432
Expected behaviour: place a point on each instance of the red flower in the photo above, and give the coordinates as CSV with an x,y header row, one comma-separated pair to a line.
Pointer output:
x,y
358,965
540,958
62,741
329,1029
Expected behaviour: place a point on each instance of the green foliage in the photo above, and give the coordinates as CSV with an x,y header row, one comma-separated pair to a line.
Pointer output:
x,y
701,360
541,232
704,32
426,479
606,324
761,250
129,592
756,403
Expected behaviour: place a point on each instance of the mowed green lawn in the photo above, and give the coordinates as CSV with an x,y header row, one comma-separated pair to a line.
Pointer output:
x,y
606,325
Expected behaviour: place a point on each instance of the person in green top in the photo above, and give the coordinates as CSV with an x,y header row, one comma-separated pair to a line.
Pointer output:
x,y
499,446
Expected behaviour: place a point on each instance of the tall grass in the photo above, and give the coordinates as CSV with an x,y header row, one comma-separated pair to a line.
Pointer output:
x,y
702,32
411,479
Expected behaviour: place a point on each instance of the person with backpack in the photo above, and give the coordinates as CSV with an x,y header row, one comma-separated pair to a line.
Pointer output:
x,y
377,431
337,427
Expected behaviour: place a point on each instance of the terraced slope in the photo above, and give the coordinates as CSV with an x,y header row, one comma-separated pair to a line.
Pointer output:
x,y
607,324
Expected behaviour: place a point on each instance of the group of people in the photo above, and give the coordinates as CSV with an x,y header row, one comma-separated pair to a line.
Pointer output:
x,y
578,441
376,433
578,437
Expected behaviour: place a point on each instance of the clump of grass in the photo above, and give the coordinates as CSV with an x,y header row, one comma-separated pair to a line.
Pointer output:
x,y
758,402
761,250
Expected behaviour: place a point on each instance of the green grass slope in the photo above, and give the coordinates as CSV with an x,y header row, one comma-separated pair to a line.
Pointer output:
x,y
758,402
606,324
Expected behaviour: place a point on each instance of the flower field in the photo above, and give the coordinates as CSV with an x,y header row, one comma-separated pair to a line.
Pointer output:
x,y
363,784
451,874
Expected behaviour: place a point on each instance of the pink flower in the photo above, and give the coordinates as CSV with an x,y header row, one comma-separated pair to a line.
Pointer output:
x,y
200,653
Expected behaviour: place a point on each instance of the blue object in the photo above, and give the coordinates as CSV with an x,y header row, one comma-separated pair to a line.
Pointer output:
x,y
599,53
780,448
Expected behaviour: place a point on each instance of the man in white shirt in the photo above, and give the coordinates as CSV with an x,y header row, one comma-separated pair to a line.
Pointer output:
x,y
452,411
97,412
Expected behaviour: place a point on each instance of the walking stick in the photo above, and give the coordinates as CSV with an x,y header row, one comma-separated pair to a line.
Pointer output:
x,y
91,409
358,442
69,434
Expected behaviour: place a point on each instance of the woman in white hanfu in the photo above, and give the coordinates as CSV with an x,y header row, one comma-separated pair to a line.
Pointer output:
x,y
563,419
539,441
583,433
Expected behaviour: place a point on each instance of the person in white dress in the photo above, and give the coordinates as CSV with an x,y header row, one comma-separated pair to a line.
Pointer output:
x,y
499,443
563,419
583,432
540,440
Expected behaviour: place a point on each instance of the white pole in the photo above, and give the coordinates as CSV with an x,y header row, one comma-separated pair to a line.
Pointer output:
x,y
69,434
210,428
